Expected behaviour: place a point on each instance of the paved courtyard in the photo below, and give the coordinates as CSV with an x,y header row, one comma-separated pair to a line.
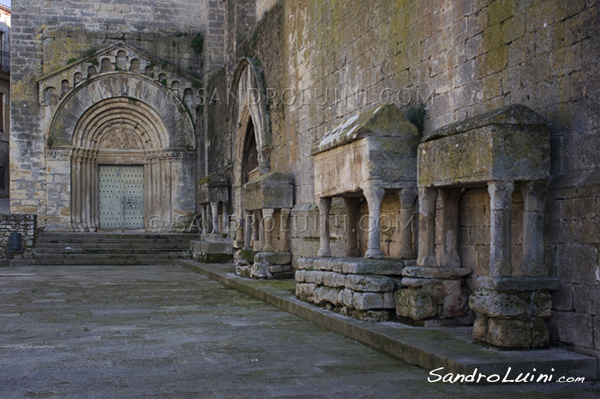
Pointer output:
x,y
164,332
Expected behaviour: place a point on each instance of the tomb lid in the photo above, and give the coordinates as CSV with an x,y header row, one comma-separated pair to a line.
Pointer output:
x,y
213,180
383,120
273,178
515,114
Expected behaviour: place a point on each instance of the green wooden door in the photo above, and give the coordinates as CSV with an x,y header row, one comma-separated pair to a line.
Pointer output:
x,y
121,202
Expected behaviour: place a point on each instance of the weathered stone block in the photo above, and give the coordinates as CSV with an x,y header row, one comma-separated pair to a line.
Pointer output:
x,y
575,329
414,304
517,333
246,255
436,272
369,283
367,300
347,297
332,279
305,292
274,258
455,305
326,294
511,304
315,277
480,328
438,288
260,271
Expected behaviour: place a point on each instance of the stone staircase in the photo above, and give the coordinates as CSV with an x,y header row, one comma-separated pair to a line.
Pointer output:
x,y
110,248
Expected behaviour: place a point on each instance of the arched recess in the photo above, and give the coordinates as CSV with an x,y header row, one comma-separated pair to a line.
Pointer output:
x,y
249,115
122,119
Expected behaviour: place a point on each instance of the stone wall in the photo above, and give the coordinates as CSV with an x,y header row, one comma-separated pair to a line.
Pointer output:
x,y
326,61
24,224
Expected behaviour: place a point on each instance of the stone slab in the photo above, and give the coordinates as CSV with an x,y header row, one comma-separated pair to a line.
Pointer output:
x,y
436,272
518,283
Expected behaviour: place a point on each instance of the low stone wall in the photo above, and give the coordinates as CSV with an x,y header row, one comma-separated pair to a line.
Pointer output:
x,y
361,288
24,224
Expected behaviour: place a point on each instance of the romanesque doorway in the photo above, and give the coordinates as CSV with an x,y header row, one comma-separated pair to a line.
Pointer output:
x,y
121,197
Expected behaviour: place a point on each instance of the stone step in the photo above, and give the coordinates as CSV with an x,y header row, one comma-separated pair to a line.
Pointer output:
x,y
91,261
109,253
69,247
109,248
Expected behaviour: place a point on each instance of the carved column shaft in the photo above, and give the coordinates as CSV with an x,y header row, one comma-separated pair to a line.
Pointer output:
x,y
268,227
324,244
374,198
284,227
427,198
533,229
449,225
407,199
500,238
214,206
248,223
351,232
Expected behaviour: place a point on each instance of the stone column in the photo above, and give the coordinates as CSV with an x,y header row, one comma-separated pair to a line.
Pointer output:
x,y
374,197
255,228
284,229
426,252
534,196
500,243
248,223
214,206
225,218
324,244
207,219
351,232
268,226
407,199
203,227
449,226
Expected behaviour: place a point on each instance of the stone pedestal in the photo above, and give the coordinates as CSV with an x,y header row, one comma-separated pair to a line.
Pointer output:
x,y
212,248
360,288
432,292
512,311
264,265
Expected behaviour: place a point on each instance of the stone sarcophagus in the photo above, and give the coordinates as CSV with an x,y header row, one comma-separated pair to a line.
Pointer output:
x,y
502,149
267,201
215,244
368,154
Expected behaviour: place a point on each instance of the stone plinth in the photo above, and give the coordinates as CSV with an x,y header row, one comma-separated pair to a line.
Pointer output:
x,y
368,154
265,265
212,248
363,289
429,292
512,311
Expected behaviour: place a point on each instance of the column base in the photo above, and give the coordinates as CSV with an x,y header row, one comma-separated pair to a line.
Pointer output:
x,y
512,311
374,254
265,265
432,292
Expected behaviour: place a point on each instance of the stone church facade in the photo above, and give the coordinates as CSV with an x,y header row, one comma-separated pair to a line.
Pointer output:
x,y
432,160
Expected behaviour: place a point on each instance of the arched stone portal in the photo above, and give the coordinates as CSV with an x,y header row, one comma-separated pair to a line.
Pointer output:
x,y
119,132
119,122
